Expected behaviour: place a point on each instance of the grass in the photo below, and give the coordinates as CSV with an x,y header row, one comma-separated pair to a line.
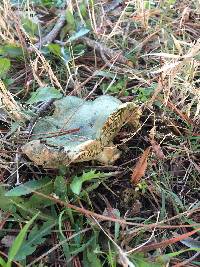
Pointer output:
x,y
144,209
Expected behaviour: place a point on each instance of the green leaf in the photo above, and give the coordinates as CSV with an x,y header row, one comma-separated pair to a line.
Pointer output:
x,y
66,250
12,51
30,26
6,203
171,2
4,67
27,187
65,55
93,259
169,256
40,202
144,93
77,181
44,94
2,262
18,241
55,49
83,9
82,247
70,19
118,86
140,261
117,225
78,34
14,127
60,224
36,237
60,186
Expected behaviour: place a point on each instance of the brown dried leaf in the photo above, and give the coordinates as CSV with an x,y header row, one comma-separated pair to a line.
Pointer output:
x,y
140,167
167,242
157,149
152,133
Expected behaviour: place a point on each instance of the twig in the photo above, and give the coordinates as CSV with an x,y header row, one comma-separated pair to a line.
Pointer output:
x,y
167,242
52,34
108,51
110,65
186,262
89,213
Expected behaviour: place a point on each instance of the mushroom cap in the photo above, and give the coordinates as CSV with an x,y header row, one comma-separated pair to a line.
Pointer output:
x,y
78,129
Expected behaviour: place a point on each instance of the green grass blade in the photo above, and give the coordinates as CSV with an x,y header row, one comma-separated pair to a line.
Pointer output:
x,y
18,242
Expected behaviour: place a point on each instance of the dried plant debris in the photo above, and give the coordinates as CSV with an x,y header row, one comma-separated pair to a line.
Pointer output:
x,y
80,130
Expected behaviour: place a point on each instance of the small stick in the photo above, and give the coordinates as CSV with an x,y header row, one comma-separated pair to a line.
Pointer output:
x,y
52,34
100,48
108,51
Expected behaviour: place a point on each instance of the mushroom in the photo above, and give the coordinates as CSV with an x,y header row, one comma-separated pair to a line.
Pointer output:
x,y
80,130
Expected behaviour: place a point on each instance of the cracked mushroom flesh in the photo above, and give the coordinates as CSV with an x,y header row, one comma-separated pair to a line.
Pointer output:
x,y
80,130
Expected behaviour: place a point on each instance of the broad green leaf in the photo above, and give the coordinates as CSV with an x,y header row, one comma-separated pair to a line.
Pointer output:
x,y
30,26
55,49
70,19
27,187
63,170
79,49
78,34
140,261
18,241
6,203
26,213
77,181
83,9
11,51
36,237
44,94
2,262
60,186
93,259
40,202
93,251
4,67
144,93
115,87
